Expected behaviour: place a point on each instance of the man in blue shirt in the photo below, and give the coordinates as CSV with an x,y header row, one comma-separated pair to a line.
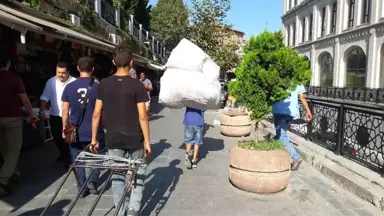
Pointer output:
x,y
284,112
73,97
193,135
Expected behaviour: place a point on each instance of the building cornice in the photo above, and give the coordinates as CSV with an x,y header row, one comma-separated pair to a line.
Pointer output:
x,y
305,3
346,35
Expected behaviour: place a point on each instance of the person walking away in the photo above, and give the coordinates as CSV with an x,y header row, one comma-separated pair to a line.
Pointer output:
x,y
148,86
12,92
123,100
79,98
284,112
52,93
193,135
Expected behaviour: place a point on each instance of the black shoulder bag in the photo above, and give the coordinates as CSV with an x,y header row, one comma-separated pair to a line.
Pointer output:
x,y
71,134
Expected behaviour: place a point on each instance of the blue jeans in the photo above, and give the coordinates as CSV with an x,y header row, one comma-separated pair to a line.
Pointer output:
x,y
281,125
118,181
75,150
193,134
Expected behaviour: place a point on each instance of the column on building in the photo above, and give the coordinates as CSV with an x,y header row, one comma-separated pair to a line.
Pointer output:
x,y
338,74
284,6
328,24
307,27
358,12
314,66
373,59
291,34
298,27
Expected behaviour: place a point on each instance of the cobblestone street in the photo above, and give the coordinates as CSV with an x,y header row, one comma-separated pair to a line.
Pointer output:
x,y
173,190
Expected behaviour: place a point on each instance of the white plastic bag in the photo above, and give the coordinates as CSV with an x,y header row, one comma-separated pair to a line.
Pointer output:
x,y
187,56
180,88
211,70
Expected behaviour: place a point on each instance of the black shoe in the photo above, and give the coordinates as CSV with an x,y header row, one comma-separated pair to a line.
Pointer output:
x,y
194,164
84,194
93,188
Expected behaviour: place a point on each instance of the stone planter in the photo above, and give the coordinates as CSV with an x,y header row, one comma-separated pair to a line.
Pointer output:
x,y
235,123
263,172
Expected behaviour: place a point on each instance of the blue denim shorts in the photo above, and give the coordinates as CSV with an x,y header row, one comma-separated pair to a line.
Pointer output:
x,y
193,134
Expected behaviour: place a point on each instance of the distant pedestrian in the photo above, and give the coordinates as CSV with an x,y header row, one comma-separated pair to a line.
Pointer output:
x,y
193,135
284,112
52,93
148,86
79,98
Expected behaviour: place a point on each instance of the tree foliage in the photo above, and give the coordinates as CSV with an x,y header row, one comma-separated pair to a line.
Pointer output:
x,y
268,70
209,30
169,22
138,8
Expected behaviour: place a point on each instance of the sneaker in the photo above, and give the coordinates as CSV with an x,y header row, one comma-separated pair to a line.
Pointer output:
x,y
296,164
132,212
93,188
194,164
188,161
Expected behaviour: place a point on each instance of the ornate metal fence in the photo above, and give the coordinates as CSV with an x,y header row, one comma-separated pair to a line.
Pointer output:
x,y
346,93
354,130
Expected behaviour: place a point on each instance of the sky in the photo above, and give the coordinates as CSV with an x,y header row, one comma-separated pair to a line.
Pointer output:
x,y
252,16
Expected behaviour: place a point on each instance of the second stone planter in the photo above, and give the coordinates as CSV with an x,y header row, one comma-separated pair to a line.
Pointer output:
x,y
235,123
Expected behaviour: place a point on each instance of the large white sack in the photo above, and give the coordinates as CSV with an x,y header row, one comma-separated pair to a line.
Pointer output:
x,y
181,89
187,56
211,70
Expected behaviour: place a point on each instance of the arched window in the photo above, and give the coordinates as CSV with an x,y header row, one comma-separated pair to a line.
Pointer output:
x,y
356,67
326,69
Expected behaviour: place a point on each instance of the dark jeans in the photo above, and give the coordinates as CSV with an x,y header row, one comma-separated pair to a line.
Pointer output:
x,y
57,133
75,150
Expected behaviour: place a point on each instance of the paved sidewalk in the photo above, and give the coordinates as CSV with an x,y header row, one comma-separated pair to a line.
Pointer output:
x,y
173,190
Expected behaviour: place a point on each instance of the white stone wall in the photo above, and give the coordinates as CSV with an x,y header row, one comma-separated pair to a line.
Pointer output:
x,y
368,36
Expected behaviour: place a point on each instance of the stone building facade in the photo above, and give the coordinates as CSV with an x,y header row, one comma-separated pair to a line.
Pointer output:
x,y
342,39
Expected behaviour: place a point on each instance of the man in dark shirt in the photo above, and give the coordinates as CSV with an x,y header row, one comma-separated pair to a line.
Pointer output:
x,y
123,100
74,96
12,95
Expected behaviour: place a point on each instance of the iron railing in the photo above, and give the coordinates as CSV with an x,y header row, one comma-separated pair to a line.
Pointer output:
x,y
109,13
347,93
351,129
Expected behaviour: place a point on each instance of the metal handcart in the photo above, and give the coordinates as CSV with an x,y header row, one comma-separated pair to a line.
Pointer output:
x,y
104,162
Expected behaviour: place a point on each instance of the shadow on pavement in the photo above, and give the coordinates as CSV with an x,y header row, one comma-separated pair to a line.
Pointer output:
x,y
55,209
158,149
160,187
39,171
155,117
156,107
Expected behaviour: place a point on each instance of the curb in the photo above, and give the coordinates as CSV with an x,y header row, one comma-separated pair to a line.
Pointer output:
x,y
363,182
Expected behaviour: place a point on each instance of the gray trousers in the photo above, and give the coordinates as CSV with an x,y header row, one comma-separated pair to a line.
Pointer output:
x,y
119,183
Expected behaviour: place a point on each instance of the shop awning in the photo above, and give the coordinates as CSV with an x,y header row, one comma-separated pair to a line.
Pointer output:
x,y
20,25
57,28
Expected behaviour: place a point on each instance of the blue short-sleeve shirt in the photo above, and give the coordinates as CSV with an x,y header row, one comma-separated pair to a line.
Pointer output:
x,y
74,94
290,105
